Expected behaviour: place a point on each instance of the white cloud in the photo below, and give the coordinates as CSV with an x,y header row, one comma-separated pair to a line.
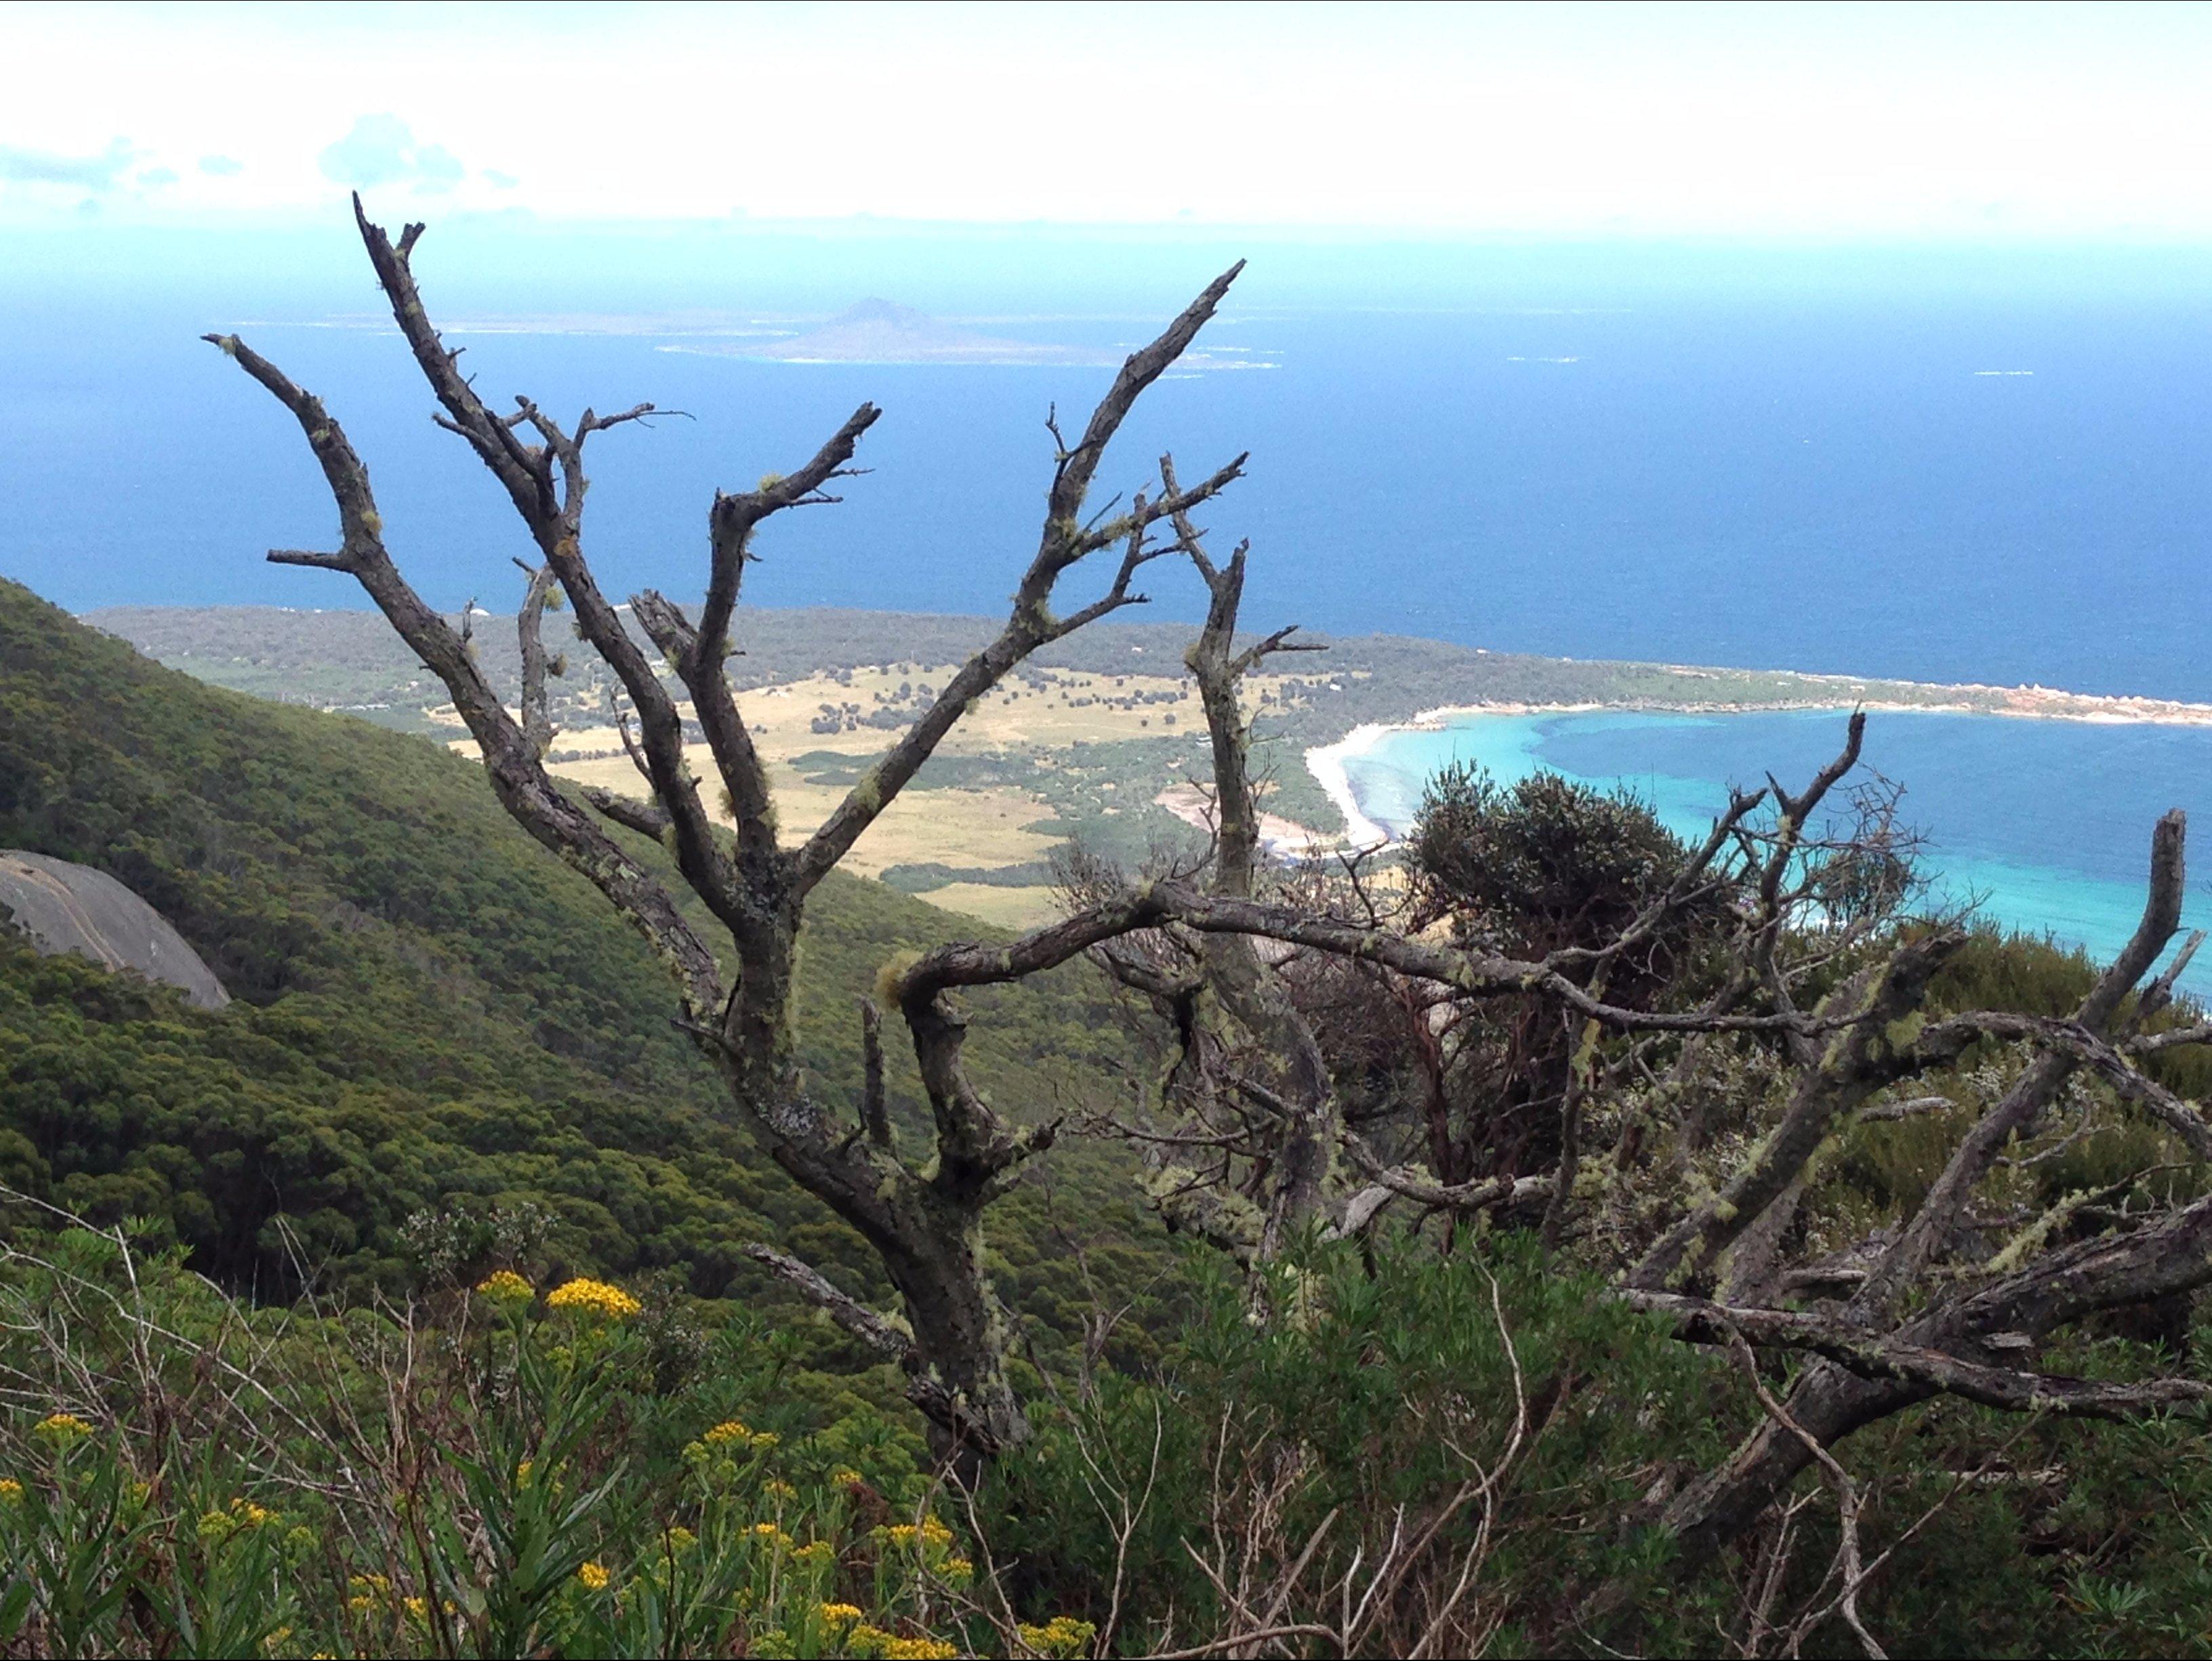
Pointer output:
x,y
381,149
1668,119
97,173
221,167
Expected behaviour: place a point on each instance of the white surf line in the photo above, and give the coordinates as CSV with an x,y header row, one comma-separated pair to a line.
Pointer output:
x,y
1326,763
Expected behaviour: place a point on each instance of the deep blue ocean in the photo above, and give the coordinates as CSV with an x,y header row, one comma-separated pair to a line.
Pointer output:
x,y
1994,468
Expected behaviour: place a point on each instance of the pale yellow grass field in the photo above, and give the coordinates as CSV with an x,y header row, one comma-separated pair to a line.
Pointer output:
x,y
969,828
1004,907
973,829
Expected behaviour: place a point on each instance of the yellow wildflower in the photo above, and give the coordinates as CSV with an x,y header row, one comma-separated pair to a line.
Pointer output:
x,y
595,1577
418,1608
838,1614
730,1430
919,1649
11,1491
367,1590
815,1551
681,1538
902,1534
507,1287
219,1525
765,1439
609,1303
522,1472
958,1571
1063,1635
777,1489
845,1476
61,1429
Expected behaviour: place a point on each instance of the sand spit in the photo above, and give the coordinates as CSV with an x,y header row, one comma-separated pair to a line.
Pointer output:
x,y
1283,838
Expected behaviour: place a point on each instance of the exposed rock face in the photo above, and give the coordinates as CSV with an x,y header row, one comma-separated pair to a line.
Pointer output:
x,y
63,907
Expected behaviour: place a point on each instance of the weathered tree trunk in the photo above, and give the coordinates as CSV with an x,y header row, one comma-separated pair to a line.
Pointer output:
x,y
925,1220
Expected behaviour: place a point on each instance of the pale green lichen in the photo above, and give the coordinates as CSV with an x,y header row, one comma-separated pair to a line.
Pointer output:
x,y
868,794
891,979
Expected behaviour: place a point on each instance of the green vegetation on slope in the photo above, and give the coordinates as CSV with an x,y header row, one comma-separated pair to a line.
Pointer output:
x,y
430,1010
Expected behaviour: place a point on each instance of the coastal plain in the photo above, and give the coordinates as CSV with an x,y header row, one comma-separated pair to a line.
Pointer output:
x,y
1099,740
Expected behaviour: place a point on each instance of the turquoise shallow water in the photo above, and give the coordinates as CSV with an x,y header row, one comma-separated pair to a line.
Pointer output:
x,y
2046,824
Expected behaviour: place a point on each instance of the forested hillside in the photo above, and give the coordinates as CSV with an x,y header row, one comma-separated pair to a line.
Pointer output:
x,y
447,1061
431,1015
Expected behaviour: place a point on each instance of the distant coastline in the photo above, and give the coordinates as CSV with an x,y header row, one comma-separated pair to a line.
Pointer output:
x,y
1327,762
1365,688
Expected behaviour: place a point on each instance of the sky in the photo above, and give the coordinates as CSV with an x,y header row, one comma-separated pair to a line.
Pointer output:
x,y
1985,122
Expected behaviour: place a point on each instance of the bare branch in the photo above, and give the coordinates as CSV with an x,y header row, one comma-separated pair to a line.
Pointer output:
x,y
516,769
1925,1234
1934,1371
1461,1197
530,629
1866,1057
875,1116
1062,543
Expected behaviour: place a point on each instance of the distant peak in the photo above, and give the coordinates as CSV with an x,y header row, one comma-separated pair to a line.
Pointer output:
x,y
873,310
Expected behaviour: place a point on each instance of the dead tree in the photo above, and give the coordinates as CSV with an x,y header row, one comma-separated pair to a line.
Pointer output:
x,y
923,1217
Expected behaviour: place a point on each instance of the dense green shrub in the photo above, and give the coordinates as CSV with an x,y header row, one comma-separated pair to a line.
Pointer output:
x,y
430,1012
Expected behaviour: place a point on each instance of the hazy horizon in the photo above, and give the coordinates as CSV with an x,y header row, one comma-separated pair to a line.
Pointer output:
x,y
2052,123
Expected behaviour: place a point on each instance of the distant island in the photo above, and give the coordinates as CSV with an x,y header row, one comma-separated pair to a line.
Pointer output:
x,y
884,332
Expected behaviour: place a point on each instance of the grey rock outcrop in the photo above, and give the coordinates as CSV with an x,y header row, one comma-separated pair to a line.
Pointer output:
x,y
63,907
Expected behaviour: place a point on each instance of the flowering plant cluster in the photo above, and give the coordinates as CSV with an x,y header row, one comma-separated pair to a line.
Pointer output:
x,y
609,1303
498,1488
